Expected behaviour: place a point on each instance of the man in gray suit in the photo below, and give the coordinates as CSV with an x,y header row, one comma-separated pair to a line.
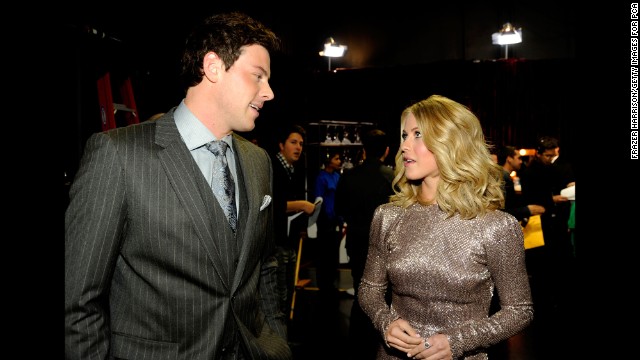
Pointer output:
x,y
153,268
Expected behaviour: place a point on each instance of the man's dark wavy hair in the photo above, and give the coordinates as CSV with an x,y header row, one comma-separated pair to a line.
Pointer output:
x,y
225,34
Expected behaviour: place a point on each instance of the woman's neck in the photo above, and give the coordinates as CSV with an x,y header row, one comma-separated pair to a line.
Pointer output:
x,y
427,192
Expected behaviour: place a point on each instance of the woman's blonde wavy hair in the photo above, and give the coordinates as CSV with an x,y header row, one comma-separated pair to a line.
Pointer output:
x,y
470,181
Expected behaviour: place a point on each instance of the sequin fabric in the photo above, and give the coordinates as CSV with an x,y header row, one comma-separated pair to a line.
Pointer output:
x,y
222,183
443,273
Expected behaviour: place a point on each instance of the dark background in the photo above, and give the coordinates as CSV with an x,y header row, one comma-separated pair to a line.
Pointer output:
x,y
397,54
569,77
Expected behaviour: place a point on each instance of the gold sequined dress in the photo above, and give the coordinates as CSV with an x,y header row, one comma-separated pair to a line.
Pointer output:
x,y
443,273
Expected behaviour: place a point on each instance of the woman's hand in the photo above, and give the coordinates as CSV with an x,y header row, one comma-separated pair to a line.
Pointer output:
x,y
436,347
402,336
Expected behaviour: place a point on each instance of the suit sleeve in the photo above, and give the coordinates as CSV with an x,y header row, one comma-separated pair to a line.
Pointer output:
x,y
268,276
94,222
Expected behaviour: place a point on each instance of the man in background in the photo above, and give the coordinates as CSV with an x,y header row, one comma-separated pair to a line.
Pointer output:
x,y
360,191
326,247
509,158
289,198
541,184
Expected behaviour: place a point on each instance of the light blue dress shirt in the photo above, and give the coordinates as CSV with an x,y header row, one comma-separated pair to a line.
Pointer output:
x,y
195,135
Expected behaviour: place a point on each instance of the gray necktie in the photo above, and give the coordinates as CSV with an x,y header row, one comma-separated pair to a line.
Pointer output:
x,y
222,182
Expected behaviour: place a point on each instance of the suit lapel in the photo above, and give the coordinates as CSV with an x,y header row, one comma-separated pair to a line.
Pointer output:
x,y
251,173
194,193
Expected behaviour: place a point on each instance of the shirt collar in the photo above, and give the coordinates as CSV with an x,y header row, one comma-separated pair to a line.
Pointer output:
x,y
193,131
284,161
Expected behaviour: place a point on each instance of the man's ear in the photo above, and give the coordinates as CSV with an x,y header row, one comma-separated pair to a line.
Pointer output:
x,y
212,66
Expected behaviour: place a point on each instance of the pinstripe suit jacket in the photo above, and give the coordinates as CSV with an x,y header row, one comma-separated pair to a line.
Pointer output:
x,y
152,268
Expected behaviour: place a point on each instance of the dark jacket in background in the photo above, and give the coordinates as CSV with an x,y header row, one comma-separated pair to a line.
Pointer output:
x,y
539,184
565,171
513,202
286,189
360,191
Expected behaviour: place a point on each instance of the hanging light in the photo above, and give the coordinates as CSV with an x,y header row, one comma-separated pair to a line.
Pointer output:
x,y
332,49
508,35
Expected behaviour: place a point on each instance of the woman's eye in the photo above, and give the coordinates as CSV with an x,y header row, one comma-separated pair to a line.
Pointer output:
x,y
418,134
404,136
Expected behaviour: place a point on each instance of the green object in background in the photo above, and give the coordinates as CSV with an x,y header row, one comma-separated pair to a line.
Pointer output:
x,y
572,226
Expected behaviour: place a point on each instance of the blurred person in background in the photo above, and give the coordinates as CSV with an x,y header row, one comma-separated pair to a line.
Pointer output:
x,y
360,191
326,247
552,264
509,158
289,198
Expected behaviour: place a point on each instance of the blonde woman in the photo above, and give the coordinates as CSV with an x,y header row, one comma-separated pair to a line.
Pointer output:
x,y
442,246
